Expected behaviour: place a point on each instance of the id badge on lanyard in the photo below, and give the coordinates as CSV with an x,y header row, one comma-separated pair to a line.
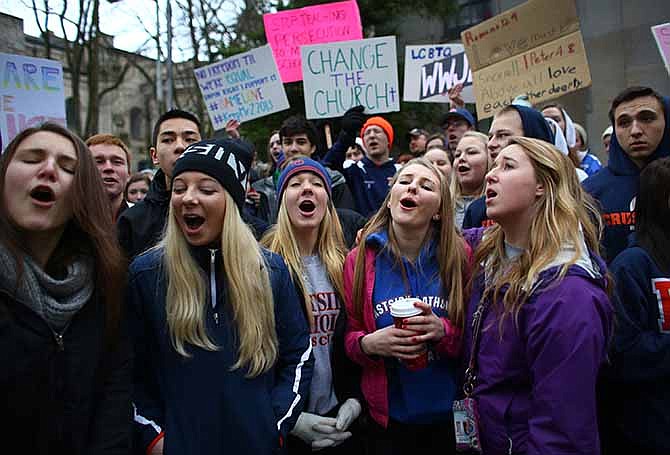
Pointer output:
x,y
466,416
466,425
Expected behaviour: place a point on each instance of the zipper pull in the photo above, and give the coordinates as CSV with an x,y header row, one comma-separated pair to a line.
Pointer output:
x,y
216,317
59,341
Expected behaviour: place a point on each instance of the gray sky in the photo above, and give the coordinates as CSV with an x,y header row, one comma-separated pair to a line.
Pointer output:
x,y
130,22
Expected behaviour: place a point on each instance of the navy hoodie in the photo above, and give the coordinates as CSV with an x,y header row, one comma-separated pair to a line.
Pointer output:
x,y
368,182
615,188
200,403
534,126
640,366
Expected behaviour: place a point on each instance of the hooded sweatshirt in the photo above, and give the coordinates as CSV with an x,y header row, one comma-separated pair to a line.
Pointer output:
x,y
640,369
615,188
534,126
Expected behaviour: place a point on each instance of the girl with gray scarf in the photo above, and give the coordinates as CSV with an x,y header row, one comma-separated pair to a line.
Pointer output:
x,y
66,368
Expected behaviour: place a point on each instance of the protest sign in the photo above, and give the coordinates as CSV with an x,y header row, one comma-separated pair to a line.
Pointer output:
x,y
243,87
662,36
31,92
535,49
519,29
338,76
287,30
431,70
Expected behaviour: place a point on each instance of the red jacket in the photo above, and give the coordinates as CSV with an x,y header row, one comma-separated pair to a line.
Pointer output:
x,y
373,380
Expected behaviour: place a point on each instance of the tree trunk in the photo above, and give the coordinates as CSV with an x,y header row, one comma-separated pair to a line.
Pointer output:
x,y
93,66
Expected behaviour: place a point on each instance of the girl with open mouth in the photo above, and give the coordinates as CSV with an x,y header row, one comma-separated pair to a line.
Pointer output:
x,y
471,163
66,376
309,237
221,343
409,250
539,316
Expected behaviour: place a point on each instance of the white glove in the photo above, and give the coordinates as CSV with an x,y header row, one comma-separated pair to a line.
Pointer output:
x,y
317,431
348,412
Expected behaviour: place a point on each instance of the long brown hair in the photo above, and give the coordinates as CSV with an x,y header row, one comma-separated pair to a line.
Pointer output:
x,y
451,254
90,231
564,213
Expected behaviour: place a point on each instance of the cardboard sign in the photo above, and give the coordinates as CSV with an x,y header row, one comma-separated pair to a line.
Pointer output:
x,y
544,73
534,49
662,36
243,87
31,92
431,70
287,30
342,75
519,29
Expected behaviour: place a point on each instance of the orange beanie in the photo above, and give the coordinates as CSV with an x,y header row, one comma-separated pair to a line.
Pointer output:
x,y
381,123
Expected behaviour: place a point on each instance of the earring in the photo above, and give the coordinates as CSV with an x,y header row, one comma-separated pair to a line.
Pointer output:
x,y
436,216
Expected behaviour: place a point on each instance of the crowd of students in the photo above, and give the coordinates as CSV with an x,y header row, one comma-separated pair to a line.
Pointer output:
x,y
208,308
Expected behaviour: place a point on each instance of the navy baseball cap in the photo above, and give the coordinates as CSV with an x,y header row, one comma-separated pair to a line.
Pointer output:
x,y
459,114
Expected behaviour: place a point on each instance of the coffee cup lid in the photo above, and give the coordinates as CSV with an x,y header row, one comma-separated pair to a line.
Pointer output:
x,y
405,308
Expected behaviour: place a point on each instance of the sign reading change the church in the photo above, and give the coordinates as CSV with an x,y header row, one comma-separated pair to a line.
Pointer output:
x,y
242,87
338,76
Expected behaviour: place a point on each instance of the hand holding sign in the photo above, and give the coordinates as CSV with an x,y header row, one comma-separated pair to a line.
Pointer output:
x,y
455,97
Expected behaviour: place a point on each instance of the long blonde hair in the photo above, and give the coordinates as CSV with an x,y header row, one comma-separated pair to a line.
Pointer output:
x,y
450,253
455,186
248,289
330,248
560,212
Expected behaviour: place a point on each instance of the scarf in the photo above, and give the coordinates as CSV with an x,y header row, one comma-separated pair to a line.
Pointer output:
x,y
54,300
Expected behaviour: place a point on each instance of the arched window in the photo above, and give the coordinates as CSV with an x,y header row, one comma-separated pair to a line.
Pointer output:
x,y
136,123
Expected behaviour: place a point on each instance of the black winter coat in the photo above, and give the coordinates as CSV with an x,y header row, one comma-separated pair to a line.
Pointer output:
x,y
63,396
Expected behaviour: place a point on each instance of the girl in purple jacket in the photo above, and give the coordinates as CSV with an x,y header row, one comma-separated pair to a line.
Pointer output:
x,y
540,308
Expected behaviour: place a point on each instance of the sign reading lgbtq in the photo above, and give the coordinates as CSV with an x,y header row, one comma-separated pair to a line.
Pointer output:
x,y
534,49
243,87
341,75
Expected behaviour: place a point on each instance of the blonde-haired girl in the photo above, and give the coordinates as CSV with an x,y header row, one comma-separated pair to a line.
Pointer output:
x,y
539,315
409,249
222,352
471,163
309,237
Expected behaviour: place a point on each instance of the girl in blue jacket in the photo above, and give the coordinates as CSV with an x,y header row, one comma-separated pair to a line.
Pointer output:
x,y
640,367
539,306
410,248
222,350
309,238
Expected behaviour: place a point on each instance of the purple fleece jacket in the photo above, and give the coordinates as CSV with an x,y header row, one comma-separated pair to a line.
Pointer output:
x,y
536,384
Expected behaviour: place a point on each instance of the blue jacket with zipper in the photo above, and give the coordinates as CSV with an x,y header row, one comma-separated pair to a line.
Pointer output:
x,y
199,403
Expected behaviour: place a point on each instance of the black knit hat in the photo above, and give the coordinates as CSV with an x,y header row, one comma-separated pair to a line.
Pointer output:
x,y
228,161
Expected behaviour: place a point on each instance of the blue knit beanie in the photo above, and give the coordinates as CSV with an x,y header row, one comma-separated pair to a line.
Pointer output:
x,y
298,166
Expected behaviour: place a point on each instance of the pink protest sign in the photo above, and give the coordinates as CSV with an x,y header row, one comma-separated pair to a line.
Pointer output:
x,y
287,30
662,35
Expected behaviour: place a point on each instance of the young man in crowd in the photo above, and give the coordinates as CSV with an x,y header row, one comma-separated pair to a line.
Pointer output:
x,y
641,119
141,226
417,141
455,124
112,158
369,178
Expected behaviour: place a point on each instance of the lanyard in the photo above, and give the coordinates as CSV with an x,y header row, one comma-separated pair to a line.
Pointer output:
x,y
471,371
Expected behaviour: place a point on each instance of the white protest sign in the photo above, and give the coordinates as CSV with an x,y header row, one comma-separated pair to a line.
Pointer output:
x,y
243,87
432,69
341,75
31,93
